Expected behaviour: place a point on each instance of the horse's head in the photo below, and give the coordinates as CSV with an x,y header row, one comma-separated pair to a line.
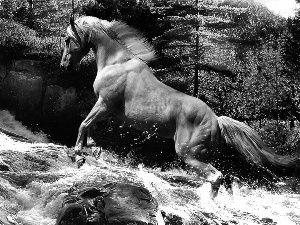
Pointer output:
x,y
74,48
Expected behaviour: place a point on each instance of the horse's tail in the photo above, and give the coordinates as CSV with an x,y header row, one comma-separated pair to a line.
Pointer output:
x,y
251,147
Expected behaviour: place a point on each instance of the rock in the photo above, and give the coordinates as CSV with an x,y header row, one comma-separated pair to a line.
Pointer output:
x,y
4,166
2,72
117,203
171,219
58,100
268,221
3,218
60,114
31,67
23,94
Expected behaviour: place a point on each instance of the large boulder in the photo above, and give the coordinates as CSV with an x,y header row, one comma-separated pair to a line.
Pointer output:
x,y
22,88
58,100
32,67
112,204
60,113
23,93
2,72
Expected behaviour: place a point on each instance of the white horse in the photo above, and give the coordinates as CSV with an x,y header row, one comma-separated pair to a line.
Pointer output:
x,y
126,87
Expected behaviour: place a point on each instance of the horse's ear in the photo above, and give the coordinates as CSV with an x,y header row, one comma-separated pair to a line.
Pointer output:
x,y
72,23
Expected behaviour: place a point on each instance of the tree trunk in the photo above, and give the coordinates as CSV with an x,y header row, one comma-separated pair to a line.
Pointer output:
x,y
292,124
31,16
7,9
196,84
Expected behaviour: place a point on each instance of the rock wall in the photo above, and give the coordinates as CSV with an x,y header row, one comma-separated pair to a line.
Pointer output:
x,y
23,93
24,90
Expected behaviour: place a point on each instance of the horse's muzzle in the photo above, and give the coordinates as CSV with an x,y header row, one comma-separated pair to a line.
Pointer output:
x,y
66,66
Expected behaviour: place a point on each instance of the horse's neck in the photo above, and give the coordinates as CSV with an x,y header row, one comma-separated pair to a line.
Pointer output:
x,y
109,54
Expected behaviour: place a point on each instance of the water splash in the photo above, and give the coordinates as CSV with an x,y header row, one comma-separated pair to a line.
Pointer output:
x,y
246,206
10,124
38,198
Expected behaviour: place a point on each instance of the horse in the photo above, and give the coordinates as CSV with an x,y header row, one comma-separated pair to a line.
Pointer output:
x,y
126,87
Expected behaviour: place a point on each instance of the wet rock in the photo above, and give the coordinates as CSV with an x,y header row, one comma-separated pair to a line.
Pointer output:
x,y
4,166
116,203
60,115
268,221
32,67
2,72
58,100
3,218
171,219
12,134
23,94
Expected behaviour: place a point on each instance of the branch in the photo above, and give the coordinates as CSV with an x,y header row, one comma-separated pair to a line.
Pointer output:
x,y
218,69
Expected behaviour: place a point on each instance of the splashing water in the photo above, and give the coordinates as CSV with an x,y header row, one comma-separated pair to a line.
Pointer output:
x,y
10,124
246,206
39,197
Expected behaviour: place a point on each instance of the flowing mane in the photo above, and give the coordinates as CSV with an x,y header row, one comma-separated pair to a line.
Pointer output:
x,y
123,34
133,40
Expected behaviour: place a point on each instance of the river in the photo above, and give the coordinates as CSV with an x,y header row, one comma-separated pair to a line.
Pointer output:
x,y
39,176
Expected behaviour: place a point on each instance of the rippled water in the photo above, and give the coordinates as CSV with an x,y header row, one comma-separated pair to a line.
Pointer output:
x,y
38,199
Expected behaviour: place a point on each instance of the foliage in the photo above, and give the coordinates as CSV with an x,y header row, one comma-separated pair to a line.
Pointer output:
x,y
278,134
234,4
20,41
253,24
136,15
290,52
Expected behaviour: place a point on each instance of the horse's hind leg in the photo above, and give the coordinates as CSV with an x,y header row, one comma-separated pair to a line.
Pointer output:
x,y
98,112
206,171
194,152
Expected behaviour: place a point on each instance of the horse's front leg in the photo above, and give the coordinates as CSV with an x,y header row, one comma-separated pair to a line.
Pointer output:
x,y
89,140
90,143
98,112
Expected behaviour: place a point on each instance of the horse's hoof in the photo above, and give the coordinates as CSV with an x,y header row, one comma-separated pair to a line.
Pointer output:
x,y
97,153
227,181
90,143
80,160
72,156
215,186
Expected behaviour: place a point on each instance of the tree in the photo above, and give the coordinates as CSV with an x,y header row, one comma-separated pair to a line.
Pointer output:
x,y
291,55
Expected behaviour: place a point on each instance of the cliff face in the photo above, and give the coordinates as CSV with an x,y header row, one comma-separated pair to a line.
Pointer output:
x,y
25,91
22,89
